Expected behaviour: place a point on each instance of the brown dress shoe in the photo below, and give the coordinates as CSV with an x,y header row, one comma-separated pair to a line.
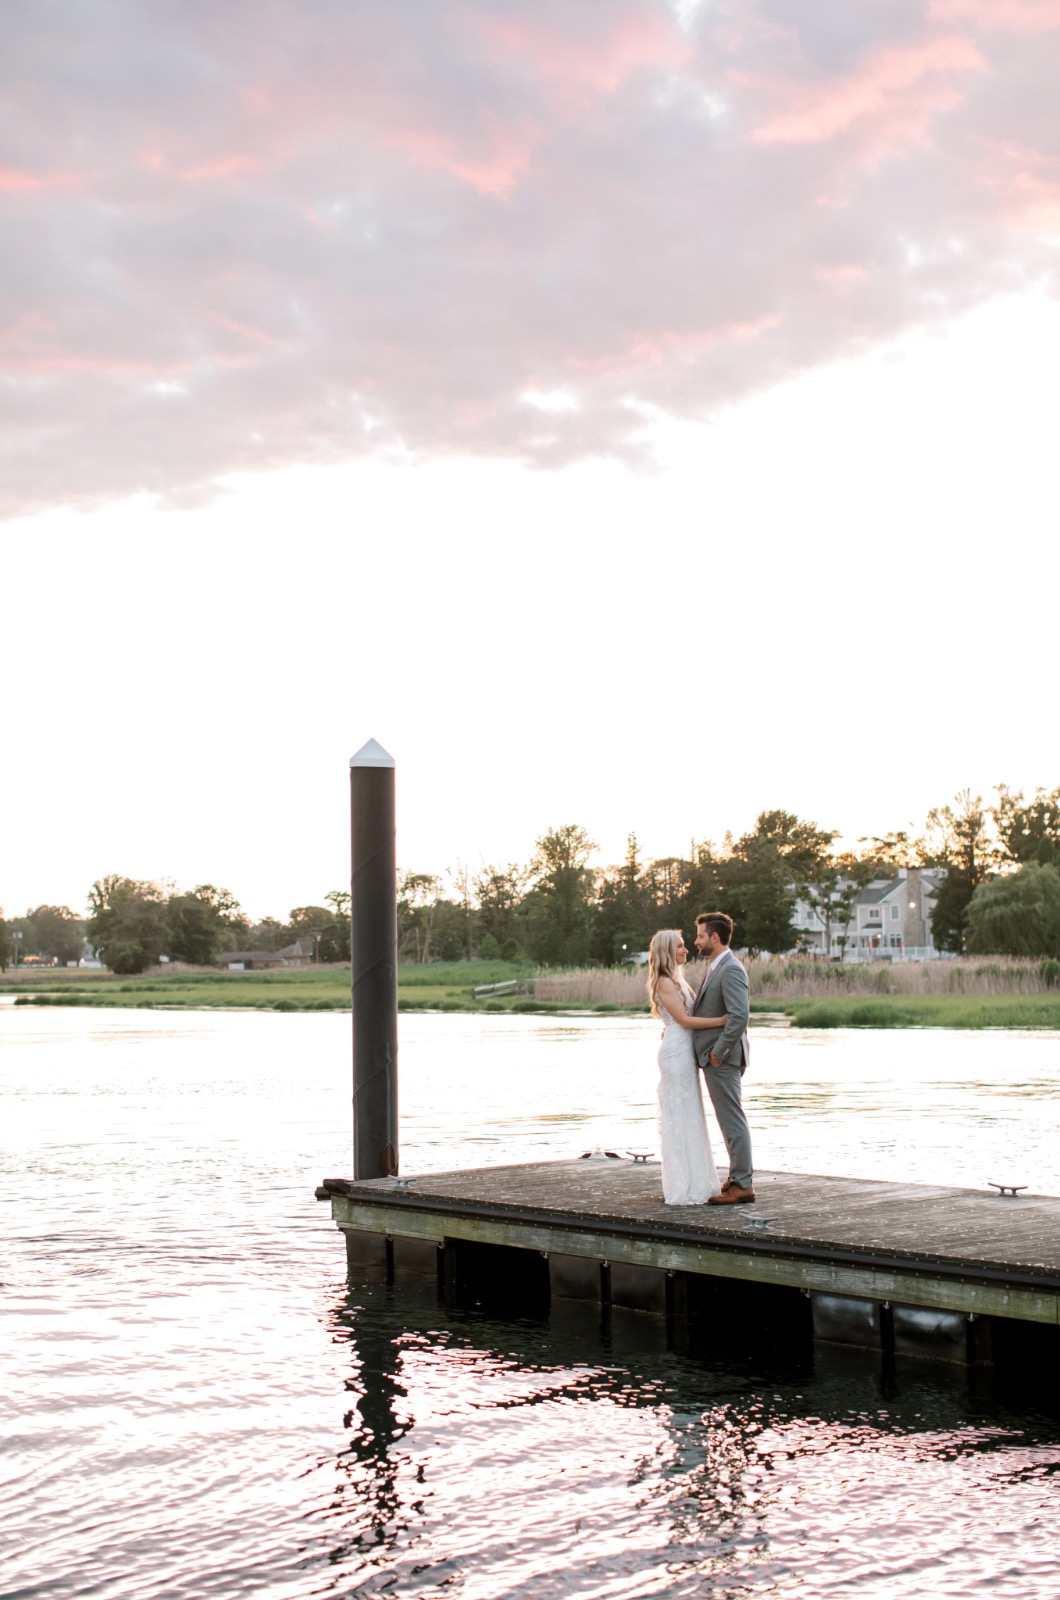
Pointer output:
x,y
732,1195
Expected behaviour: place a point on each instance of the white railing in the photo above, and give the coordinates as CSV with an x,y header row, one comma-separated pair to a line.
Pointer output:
x,y
910,952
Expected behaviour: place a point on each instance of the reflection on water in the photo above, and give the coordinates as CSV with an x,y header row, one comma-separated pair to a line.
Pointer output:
x,y
196,1404
522,1459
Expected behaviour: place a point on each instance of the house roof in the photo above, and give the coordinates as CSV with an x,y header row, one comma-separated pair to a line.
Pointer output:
x,y
882,890
878,891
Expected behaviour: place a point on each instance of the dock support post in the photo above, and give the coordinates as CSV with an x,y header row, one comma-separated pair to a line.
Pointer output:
x,y
373,948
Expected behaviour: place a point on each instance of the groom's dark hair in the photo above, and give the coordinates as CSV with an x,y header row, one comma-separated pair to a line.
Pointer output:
x,y
718,922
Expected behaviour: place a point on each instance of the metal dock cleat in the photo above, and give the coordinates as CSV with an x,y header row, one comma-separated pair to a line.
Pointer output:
x,y
1009,1189
640,1155
759,1222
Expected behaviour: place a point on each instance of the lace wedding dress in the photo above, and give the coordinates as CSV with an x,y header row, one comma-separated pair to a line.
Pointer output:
x,y
689,1175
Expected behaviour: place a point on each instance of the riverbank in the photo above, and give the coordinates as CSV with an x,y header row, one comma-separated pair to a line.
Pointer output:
x,y
444,986
449,987
920,1011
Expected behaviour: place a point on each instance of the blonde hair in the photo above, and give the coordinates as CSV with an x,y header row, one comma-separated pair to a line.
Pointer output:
x,y
662,963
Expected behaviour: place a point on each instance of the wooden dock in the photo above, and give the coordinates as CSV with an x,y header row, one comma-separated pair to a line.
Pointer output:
x,y
902,1265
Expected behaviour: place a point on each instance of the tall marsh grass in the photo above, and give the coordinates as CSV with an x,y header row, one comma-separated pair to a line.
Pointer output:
x,y
801,979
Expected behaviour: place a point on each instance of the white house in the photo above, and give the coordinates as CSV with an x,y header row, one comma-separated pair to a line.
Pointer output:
x,y
890,920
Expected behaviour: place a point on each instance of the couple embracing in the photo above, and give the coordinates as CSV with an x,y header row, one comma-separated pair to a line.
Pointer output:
x,y
705,1030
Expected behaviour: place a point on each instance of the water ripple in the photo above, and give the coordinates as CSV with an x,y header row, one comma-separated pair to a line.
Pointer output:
x,y
197,1405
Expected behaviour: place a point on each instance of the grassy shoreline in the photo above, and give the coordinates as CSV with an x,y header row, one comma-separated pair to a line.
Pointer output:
x,y
920,1011
441,987
448,988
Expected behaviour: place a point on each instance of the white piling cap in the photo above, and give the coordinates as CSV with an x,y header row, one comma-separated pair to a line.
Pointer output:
x,y
372,754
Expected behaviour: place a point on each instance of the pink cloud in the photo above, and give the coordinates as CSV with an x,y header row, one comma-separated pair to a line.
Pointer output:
x,y
900,81
842,274
1027,186
406,216
13,181
658,348
495,173
35,344
219,167
243,330
1009,16
1036,202
597,64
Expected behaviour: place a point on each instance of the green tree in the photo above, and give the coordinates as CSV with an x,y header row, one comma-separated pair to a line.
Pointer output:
x,y
703,885
559,905
832,890
464,884
448,931
202,922
621,912
894,850
127,923
195,936
676,889
500,891
418,897
763,874
268,934
340,901
54,932
7,945
1028,830
666,891
335,935
305,922
958,839
1017,915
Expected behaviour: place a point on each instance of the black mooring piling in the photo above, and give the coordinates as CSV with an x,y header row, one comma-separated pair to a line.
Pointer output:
x,y
373,946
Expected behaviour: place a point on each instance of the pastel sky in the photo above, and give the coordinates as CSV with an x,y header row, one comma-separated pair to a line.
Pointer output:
x,y
629,412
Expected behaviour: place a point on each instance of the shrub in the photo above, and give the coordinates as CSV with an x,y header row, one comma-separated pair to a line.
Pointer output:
x,y
866,1015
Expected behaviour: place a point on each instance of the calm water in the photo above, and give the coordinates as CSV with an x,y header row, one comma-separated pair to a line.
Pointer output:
x,y
197,1404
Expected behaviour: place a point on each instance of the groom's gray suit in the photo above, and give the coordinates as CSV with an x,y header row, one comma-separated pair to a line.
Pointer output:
x,y
725,988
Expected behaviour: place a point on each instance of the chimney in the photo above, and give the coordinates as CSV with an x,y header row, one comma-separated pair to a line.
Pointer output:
x,y
915,926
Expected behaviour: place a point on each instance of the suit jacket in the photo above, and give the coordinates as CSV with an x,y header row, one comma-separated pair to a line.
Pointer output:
x,y
726,989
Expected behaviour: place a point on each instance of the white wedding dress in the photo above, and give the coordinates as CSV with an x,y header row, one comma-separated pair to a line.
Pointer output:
x,y
689,1176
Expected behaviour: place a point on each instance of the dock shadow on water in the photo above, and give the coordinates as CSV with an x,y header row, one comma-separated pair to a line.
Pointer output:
x,y
566,1453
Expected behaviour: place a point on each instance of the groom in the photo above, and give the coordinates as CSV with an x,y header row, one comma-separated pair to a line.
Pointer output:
x,y
723,1052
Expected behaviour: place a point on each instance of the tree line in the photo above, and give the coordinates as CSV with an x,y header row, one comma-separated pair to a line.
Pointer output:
x,y
999,891
999,894
133,924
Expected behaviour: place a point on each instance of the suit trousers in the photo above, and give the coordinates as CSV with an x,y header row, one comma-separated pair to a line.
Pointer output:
x,y
723,1086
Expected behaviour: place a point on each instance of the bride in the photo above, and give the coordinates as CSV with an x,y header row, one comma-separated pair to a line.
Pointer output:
x,y
689,1176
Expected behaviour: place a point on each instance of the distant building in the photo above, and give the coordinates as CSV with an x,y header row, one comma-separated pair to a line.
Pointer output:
x,y
890,920
299,954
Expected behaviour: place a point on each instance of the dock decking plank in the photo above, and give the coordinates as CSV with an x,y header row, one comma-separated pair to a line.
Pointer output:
x,y
962,1248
